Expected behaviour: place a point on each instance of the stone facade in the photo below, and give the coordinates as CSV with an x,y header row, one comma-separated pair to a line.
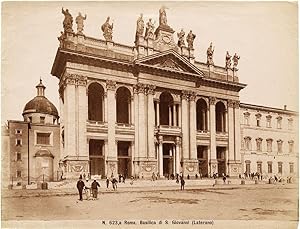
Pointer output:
x,y
269,139
151,108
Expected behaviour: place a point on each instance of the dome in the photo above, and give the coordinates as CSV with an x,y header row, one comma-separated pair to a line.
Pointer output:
x,y
40,104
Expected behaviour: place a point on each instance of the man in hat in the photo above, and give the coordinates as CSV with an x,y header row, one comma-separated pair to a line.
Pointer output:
x,y
80,186
95,186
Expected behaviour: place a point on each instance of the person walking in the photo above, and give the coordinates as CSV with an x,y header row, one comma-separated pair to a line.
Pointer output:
x,y
87,189
107,182
224,178
94,187
80,186
182,182
114,183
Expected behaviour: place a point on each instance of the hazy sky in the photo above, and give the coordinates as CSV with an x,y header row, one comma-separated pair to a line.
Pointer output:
x,y
264,35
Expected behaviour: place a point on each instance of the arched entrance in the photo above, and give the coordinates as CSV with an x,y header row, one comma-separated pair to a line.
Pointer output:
x,y
220,117
201,111
123,105
95,102
165,109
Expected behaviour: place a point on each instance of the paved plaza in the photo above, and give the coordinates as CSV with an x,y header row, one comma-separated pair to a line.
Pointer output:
x,y
267,202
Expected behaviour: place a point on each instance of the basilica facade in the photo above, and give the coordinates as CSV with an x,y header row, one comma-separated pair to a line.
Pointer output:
x,y
150,108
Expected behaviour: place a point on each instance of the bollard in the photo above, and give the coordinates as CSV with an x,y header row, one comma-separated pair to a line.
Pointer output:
x,y
242,182
256,181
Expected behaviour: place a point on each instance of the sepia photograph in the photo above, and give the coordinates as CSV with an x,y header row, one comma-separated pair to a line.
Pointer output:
x,y
126,114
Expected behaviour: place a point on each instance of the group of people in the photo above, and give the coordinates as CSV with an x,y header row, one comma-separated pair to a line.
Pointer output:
x,y
87,188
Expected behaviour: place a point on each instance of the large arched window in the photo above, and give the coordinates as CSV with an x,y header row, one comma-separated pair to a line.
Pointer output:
x,y
220,117
123,105
201,109
95,102
165,108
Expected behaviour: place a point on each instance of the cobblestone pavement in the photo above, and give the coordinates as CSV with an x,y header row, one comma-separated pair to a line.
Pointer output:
x,y
264,202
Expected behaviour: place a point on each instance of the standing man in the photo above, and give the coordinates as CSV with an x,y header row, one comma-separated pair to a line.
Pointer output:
x,y
107,182
182,182
80,186
95,186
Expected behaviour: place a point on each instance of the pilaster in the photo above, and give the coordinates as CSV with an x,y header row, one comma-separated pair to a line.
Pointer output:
x,y
111,133
151,122
160,155
142,122
193,146
213,153
230,131
185,125
136,130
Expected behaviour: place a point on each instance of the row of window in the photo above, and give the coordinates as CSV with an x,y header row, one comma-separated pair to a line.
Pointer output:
x,y
268,121
41,139
270,167
269,141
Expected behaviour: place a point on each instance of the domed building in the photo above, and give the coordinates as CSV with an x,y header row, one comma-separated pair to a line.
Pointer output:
x,y
34,143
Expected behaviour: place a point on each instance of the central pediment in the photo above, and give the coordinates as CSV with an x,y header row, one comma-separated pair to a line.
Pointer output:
x,y
169,60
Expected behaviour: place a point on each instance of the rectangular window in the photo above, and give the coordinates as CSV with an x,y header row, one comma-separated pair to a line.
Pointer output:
x,y
248,168
269,167
259,167
43,138
279,145
279,122
268,123
291,147
18,156
291,167
42,119
269,145
257,122
19,174
279,167
290,124
19,142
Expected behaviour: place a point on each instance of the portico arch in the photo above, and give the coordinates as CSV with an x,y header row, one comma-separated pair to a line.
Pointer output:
x,y
165,108
201,111
123,96
95,102
220,117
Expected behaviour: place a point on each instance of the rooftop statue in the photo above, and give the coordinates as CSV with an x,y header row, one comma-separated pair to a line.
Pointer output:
x,y
181,35
190,39
107,30
163,16
235,61
210,53
61,39
227,61
140,25
79,21
68,21
149,29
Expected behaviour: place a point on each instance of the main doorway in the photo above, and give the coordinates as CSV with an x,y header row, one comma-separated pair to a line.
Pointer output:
x,y
96,155
202,159
168,159
124,159
221,160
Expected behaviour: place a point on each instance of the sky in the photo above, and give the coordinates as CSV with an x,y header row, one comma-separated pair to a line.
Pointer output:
x,y
263,34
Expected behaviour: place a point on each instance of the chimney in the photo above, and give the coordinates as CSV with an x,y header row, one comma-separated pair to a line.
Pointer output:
x,y
284,107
